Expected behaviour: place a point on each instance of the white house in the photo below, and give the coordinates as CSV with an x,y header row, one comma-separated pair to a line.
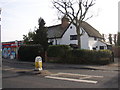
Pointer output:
x,y
65,34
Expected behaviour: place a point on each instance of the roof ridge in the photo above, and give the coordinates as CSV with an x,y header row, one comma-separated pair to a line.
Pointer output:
x,y
53,25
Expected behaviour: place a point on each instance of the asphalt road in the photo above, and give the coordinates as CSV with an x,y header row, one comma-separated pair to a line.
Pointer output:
x,y
23,76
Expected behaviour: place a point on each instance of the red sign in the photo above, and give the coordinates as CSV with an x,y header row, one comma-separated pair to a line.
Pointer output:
x,y
11,44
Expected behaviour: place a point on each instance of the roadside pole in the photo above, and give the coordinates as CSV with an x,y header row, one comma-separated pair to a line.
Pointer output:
x,y
16,42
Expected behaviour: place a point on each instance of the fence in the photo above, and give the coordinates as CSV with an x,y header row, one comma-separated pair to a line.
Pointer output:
x,y
116,51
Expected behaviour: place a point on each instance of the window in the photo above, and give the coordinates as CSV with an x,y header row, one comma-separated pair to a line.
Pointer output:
x,y
95,38
101,47
73,37
94,48
51,42
71,27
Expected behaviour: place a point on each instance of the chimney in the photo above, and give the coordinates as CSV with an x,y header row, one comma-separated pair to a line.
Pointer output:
x,y
64,22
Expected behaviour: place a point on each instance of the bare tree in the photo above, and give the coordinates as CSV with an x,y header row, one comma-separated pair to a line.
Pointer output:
x,y
115,39
103,36
110,38
76,11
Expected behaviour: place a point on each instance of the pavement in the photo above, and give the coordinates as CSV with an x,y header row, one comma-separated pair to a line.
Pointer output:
x,y
110,67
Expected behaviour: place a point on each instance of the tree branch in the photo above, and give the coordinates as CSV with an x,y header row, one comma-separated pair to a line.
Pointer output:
x,y
58,8
89,17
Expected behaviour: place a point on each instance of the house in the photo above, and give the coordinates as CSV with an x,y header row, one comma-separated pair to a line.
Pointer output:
x,y
65,34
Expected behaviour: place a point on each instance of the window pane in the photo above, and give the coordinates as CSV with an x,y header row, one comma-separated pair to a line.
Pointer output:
x,y
73,37
101,47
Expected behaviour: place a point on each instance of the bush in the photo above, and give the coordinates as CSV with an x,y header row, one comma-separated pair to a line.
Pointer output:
x,y
93,57
28,53
82,56
57,50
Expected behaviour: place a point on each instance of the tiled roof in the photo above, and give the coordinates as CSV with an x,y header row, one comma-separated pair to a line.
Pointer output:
x,y
57,31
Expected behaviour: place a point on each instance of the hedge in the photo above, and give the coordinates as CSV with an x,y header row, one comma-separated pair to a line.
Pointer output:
x,y
29,52
88,57
63,54
57,50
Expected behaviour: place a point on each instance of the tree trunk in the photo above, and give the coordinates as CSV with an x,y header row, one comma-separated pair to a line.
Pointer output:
x,y
78,37
46,59
79,41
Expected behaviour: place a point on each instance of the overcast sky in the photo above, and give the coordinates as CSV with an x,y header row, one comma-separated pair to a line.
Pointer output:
x,y
21,16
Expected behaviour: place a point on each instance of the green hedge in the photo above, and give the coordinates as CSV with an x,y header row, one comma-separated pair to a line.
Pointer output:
x,y
64,54
29,52
57,50
88,57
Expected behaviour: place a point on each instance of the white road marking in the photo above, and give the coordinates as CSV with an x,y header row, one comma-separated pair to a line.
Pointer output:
x,y
86,77
69,79
81,77
78,75
8,69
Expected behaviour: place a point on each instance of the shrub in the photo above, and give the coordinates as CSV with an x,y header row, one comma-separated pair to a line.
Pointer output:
x,y
57,50
82,56
94,57
28,53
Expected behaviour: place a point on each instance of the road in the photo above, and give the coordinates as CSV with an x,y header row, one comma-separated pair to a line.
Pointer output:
x,y
17,75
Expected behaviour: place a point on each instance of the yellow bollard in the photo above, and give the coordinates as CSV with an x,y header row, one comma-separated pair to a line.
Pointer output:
x,y
38,63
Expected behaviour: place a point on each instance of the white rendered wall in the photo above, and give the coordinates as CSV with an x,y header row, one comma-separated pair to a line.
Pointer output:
x,y
92,43
66,37
97,44
85,41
